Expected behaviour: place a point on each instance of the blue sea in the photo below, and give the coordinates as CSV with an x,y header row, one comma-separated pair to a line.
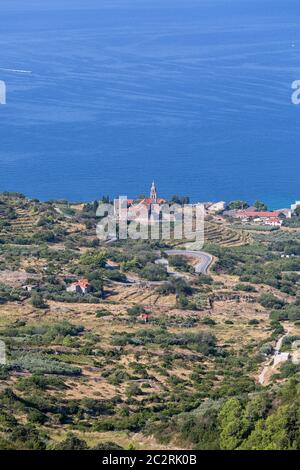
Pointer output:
x,y
103,96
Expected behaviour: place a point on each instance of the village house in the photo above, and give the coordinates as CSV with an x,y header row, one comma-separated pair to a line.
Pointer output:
x,y
286,212
273,221
30,287
216,207
257,214
82,286
144,317
271,218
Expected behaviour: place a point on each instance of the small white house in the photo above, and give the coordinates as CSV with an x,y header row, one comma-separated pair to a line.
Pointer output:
x,y
273,221
217,207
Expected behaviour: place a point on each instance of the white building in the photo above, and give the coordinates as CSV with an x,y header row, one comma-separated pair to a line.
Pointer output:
x,y
216,207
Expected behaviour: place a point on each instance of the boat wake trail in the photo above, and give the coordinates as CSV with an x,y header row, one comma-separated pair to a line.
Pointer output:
x,y
16,70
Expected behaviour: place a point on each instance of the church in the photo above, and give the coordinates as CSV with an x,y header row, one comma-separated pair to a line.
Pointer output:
x,y
153,199
145,207
136,207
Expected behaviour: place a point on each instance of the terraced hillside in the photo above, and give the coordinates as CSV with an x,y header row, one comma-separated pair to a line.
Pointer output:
x,y
23,221
20,217
222,235
225,236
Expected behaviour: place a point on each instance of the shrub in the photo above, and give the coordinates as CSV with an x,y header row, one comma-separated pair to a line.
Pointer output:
x,y
182,302
253,322
271,301
36,417
93,259
245,288
133,390
278,315
208,321
107,446
176,286
37,300
72,443
136,310
179,262
40,382
38,364
267,349
203,279
154,272
116,276
102,313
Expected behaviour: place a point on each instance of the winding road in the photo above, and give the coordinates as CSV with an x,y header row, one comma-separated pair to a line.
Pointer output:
x,y
205,259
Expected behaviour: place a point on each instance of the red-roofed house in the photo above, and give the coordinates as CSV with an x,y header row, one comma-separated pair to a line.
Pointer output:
x,y
273,221
257,214
266,217
144,317
82,286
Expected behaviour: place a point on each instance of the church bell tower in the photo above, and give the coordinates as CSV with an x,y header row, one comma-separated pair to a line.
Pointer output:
x,y
153,193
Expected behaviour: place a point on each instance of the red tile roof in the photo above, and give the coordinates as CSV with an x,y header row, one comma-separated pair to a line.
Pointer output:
x,y
259,214
146,201
83,283
144,316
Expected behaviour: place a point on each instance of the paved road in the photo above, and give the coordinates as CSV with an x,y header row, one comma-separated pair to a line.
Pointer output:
x,y
205,259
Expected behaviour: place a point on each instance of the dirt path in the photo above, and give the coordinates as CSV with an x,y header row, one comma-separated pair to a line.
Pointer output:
x,y
276,359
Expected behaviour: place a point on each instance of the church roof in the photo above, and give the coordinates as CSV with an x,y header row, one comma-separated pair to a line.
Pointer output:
x,y
148,201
